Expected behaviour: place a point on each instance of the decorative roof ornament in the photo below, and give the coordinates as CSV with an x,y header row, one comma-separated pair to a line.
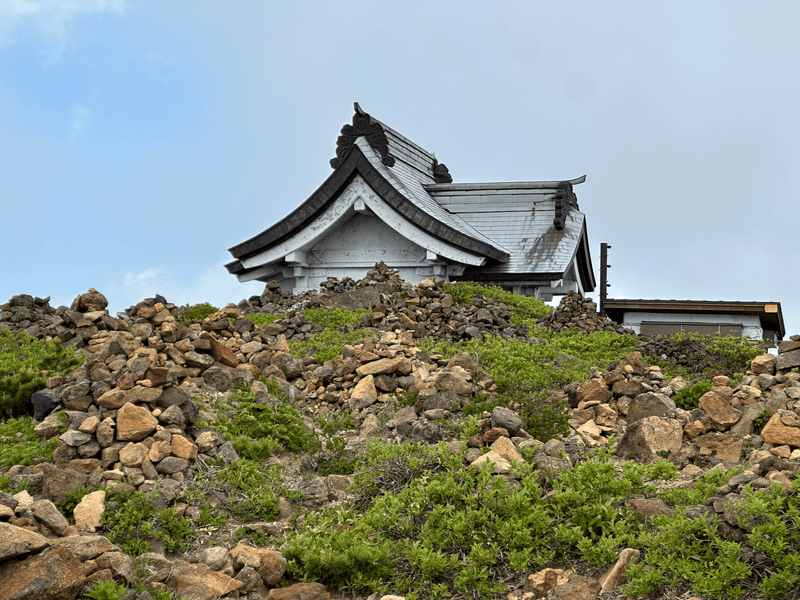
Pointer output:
x,y
363,125
565,199
441,173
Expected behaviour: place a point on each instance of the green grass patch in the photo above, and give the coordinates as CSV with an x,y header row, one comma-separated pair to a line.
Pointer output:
x,y
524,309
27,449
197,312
261,319
329,343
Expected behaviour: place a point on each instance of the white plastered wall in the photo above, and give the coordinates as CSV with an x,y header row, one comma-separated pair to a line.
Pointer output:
x,y
751,326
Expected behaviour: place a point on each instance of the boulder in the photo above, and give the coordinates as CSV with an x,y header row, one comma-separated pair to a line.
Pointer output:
x,y
89,511
720,411
15,541
775,432
47,513
184,574
507,419
55,574
300,591
649,404
364,394
134,423
646,437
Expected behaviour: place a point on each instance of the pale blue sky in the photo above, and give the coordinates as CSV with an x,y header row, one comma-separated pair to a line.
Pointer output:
x,y
140,140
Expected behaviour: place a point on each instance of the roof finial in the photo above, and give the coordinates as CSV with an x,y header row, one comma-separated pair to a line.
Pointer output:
x,y
363,125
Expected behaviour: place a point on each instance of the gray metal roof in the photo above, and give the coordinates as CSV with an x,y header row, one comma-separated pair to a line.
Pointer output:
x,y
518,216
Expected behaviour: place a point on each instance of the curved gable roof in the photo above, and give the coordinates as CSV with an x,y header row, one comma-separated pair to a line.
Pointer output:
x,y
401,187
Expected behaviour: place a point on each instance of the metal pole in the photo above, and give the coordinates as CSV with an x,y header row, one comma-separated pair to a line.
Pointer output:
x,y
604,285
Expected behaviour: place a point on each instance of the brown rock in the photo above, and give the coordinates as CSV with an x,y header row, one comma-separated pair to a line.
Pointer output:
x,y
183,448
15,541
499,463
379,367
594,390
47,513
120,565
184,574
300,591
221,353
464,361
158,451
84,547
777,433
89,510
716,407
134,423
454,381
132,455
650,507
364,394
542,583
646,437
505,448
84,465
58,482
577,588
55,574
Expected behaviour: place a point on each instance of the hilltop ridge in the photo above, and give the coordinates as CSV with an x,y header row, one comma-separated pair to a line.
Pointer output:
x,y
245,452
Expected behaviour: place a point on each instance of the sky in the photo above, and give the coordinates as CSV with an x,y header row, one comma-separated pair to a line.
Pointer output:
x,y
141,139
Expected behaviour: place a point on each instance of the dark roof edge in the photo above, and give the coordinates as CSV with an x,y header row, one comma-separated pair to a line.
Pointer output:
x,y
501,185
470,275
356,163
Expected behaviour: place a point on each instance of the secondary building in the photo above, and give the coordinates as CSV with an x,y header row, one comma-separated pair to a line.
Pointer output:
x,y
756,320
390,200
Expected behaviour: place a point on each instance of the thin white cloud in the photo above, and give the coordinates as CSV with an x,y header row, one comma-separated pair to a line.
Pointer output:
x,y
50,19
79,118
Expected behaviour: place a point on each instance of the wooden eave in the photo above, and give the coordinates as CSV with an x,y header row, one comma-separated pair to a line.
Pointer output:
x,y
615,309
355,163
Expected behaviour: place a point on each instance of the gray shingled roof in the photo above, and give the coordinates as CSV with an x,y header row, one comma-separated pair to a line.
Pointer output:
x,y
412,170
519,216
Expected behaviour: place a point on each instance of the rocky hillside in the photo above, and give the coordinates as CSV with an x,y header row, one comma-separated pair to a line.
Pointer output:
x,y
257,451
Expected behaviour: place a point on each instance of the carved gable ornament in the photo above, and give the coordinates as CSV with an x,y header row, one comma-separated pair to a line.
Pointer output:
x,y
363,125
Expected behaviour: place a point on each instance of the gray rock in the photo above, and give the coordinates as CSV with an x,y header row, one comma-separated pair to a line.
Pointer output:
x,y
227,453
172,464
44,401
218,379
507,419
649,404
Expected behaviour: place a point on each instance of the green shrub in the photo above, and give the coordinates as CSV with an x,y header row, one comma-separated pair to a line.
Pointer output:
x,y
689,397
329,342
197,312
25,365
253,489
760,421
27,449
258,430
425,527
130,525
529,373
106,589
